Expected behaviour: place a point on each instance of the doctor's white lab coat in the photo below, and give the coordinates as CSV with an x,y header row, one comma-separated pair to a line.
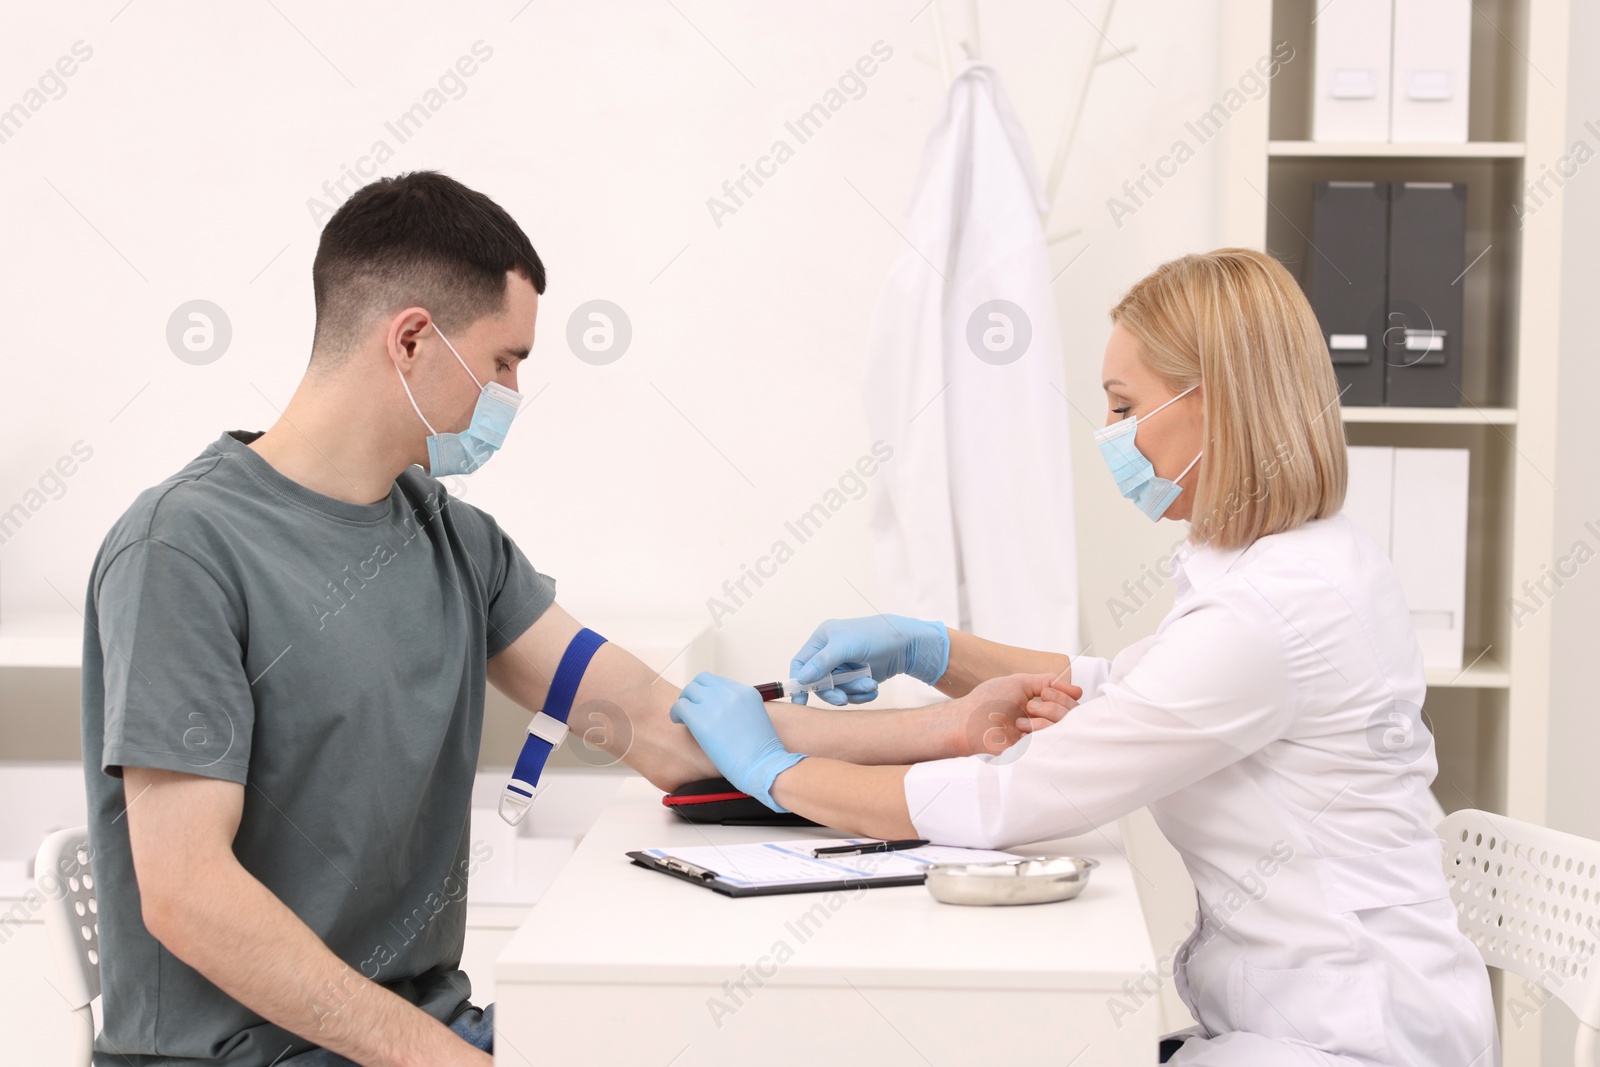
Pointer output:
x,y
1272,726
972,520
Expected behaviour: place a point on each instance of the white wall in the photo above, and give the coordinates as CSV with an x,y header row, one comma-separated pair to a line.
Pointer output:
x,y
179,162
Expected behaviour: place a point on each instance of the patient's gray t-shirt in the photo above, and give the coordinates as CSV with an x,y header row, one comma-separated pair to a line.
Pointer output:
x,y
331,657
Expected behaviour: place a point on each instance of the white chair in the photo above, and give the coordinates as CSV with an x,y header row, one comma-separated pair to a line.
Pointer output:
x,y
62,875
1529,898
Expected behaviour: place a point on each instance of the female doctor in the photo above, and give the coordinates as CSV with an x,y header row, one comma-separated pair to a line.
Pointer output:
x,y
1271,724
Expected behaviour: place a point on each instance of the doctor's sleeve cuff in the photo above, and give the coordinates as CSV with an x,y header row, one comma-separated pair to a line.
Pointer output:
x,y
1092,673
943,800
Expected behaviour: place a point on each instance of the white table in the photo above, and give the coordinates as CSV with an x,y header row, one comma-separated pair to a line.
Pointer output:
x,y
622,965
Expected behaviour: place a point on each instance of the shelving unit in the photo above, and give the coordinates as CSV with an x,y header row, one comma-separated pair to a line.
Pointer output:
x,y
1387,150
1484,670
1490,719
1432,416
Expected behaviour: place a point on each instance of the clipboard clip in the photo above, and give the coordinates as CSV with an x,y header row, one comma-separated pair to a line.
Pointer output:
x,y
683,867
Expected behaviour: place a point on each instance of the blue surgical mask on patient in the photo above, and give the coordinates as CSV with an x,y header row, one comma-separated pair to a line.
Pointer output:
x,y
1136,477
465,452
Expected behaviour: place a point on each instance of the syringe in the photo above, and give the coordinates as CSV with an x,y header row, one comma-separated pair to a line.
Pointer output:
x,y
790,686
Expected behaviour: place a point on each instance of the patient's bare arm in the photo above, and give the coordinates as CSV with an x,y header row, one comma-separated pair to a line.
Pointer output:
x,y
621,710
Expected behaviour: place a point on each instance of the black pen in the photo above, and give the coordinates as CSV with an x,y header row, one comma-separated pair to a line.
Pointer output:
x,y
874,846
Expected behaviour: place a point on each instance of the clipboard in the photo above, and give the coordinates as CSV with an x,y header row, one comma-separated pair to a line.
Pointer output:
x,y
778,867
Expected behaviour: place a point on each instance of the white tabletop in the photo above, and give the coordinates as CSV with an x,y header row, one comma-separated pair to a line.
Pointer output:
x,y
606,919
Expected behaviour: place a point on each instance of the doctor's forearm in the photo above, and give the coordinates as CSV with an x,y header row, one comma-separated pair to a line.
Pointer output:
x,y
868,736
870,801
974,660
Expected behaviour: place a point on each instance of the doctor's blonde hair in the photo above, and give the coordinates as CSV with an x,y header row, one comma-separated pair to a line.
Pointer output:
x,y
1235,322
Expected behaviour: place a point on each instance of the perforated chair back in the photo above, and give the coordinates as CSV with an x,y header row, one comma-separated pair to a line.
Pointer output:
x,y
63,876
1529,898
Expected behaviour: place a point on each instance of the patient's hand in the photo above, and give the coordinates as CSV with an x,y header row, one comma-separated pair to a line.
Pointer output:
x,y
998,712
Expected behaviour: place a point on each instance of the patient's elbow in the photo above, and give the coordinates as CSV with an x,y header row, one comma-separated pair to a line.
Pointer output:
x,y
158,920
163,908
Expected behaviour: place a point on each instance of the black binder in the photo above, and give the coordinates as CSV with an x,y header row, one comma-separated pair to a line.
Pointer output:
x,y
1348,282
1427,253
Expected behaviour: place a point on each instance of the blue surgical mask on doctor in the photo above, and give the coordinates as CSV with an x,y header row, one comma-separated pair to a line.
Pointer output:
x,y
465,452
1136,477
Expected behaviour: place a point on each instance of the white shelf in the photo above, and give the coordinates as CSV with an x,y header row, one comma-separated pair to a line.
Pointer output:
x,y
1483,671
678,646
1387,150
1469,416
44,640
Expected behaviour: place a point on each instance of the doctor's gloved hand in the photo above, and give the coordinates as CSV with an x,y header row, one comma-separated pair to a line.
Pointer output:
x,y
730,722
888,644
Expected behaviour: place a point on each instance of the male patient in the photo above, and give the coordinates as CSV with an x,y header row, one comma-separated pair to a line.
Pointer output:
x,y
286,649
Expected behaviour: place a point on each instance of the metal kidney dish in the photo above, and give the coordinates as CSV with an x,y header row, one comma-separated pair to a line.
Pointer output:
x,y
1027,880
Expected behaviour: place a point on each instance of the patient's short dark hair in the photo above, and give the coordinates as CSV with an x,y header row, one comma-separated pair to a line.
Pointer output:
x,y
415,239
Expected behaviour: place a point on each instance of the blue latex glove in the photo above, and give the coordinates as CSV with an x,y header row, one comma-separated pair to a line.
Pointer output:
x,y
889,644
730,721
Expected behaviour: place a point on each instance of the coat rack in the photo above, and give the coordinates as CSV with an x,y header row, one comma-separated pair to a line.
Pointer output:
x,y
972,46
